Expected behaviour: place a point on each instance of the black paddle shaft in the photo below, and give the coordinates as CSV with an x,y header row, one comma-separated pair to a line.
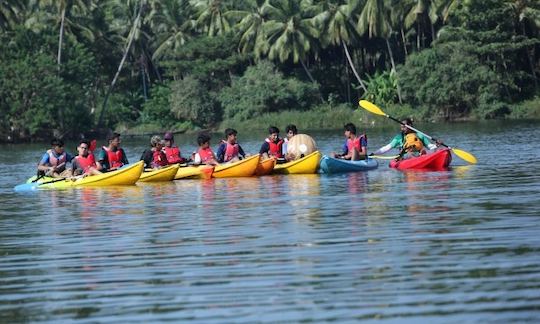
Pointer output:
x,y
416,130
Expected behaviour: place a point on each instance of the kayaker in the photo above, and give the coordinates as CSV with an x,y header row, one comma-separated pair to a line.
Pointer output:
x,y
355,147
172,151
84,163
204,155
229,150
273,145
290,131
155,157
409,142
53,162
112,157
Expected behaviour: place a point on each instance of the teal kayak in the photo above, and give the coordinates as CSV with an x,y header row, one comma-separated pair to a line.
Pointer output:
x,y
332,165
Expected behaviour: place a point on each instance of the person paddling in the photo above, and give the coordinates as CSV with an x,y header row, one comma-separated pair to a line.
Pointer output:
x,y
172,151
409,142
204,154
355,147
84,163
155,157
53,162
229,150
112,157
273,145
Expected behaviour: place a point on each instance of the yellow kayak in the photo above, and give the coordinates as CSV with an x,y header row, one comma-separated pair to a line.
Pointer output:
x,y
194,172
242,168
164,174
307,165
265,167
127,175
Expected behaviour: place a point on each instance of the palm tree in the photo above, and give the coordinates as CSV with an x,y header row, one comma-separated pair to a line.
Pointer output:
x,y
68,13
10,13
422,12
290,34
334,20
527,15
374,22
249,25
169,19
135,29
210,16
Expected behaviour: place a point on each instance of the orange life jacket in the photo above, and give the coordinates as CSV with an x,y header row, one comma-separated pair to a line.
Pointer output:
x,y
114,158
205,154
173,154
276,149
231,152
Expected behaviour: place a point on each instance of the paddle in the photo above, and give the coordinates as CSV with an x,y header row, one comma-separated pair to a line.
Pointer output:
x,y
383,157
34,185
466,156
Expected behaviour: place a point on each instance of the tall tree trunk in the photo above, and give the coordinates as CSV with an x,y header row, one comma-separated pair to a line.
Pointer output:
x,y
433,35
61,36
352,67
418,35
530,59
126,51
404,42
394,68
311,78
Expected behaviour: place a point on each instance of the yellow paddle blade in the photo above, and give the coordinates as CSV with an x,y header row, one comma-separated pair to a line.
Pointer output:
x,y
371,107
466,156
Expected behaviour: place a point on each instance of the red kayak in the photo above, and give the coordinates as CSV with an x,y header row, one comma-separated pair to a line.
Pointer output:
x,y
438,160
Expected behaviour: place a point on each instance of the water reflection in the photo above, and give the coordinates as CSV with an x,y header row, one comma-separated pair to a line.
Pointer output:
x,y
456,246
304,190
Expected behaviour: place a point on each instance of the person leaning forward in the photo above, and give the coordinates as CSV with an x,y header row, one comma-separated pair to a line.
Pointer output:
x,y
409,142
53,162
155,157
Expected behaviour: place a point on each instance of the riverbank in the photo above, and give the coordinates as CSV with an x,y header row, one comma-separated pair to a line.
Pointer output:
x,y
327,117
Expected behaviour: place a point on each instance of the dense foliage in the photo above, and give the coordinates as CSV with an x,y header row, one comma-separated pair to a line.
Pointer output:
x,y
73,66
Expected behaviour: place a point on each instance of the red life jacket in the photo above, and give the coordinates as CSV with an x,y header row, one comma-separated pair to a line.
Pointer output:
x,y
276,149
231,152
159,158
356,143
114,158
86,162
205,154
173,154
55,161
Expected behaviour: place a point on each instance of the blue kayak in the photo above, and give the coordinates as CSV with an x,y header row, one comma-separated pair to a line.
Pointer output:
x,y
332,165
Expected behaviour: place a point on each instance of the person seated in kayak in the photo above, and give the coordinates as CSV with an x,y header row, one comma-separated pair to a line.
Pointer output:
x,y
409,142
355,147
53,162
204,154
273,145
112,157
290,131
172,151
155,157
229,150
84,163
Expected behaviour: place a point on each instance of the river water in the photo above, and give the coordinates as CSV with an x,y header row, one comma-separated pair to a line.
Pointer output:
x,y
385,246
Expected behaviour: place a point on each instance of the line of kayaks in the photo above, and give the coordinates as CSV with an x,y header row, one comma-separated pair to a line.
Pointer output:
x,y
250,166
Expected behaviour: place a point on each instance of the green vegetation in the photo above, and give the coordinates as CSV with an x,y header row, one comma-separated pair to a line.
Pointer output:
x,y
70,67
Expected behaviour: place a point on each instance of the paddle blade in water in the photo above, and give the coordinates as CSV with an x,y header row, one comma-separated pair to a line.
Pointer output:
x,y
466,156
371,107
26,187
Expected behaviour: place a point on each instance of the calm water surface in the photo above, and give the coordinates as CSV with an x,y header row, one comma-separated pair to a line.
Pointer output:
x,y
384,246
